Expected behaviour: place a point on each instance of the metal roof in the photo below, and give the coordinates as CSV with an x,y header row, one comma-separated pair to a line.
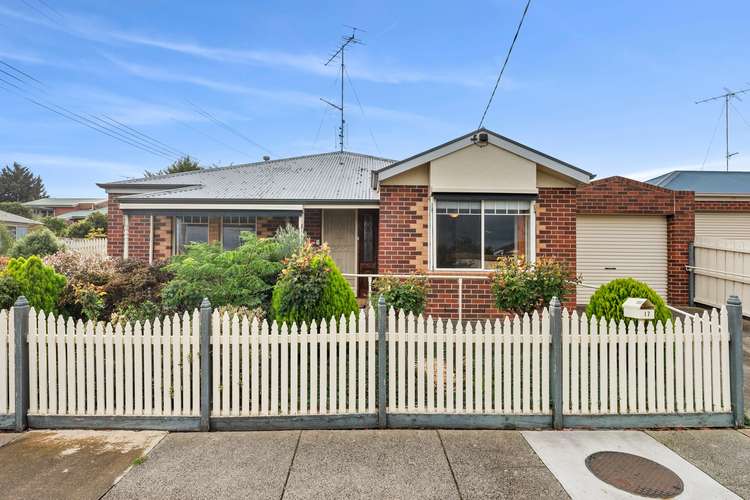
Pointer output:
x,y
334,177
705,182
10,218
62,202
81,214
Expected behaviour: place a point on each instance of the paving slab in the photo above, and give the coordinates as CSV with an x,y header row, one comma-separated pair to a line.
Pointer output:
x,y
565,452
214,465
379,464
69,464
7,437
723,454
498,464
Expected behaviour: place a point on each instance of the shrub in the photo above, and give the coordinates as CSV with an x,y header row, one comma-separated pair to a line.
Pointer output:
x,y
290,240
311,287
133,283
242,277
521,287
40,243
6,240
17,208
142,311
55,224
86,275
10,290
409,295
41,285
98,221
608,299
78,229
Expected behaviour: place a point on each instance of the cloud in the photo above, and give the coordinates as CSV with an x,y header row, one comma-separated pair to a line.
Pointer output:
x,y
72,163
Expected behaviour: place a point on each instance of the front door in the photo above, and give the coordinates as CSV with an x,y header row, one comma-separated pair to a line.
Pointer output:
x,y
340,232
367,226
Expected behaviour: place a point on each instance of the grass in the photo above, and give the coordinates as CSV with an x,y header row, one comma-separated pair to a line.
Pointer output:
x,y
139,461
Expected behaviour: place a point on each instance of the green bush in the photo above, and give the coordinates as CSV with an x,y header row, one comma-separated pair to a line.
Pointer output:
x,y
86,275
608,299
10,290
241,277
78,229
311,287
41,285
6,240
55,224
134,283
14,207
98,221
41,242
409,294
142,311
290,240
521,287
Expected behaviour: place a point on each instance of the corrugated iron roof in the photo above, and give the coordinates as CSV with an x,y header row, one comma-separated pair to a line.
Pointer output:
x,y
62,202
322,177
10,218
705,182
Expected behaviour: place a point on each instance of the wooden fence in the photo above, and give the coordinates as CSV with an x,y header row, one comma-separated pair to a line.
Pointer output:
x,y
386,369
86,246
721,268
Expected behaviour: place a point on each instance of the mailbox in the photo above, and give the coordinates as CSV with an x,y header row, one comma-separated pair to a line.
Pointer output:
x,y
635,308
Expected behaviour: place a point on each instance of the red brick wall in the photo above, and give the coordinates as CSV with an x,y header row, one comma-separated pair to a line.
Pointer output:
x,y
556,229
265,227
139,229
114,227
163,237
618,195
722,205
314,224
402,229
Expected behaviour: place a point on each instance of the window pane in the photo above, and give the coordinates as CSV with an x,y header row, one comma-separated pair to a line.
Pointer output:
x,y
459,241
191,230
231,235
504,235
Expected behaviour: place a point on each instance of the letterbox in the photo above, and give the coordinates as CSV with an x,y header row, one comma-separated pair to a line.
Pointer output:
x,y
636,308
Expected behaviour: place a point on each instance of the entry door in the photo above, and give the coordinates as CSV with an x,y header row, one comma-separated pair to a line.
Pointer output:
x,y
621,246
340,232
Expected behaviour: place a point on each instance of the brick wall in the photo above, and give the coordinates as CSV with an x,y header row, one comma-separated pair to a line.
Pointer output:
x,y
314,224
139,237
114,227
265,227
556,229
722,205
618,195
214,229
402,229
163,230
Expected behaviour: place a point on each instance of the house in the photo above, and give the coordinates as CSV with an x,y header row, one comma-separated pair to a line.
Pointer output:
x,y
55,207
78,215
17,225
447,212
722,200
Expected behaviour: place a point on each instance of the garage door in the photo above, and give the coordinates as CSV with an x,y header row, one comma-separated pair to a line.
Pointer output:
x,y
727,226
620,246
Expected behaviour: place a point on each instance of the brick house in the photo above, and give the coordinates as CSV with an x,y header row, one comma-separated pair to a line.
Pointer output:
x,y
447,212
71,208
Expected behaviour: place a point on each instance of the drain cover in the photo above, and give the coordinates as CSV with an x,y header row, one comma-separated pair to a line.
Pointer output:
x,y
634,474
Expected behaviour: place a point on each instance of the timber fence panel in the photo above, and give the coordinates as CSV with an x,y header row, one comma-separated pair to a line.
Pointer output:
x,y
722,268
7,363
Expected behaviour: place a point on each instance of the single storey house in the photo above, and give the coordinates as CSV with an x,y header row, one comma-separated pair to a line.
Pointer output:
x,y
55,207
722,201
447,212
17,225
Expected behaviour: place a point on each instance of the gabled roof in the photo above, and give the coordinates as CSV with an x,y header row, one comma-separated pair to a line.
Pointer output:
x,y
494,138
62,202
705,182
9,218
327,177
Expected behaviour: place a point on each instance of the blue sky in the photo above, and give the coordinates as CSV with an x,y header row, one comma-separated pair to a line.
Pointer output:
x,y
607,86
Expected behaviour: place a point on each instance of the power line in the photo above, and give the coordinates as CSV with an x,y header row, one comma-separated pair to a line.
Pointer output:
x,y
218,141
227,127
362,110
505,63
737,110
39,11
150,139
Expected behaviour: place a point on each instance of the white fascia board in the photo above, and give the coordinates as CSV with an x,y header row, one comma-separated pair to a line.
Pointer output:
x,y
332,206
496,141
206,206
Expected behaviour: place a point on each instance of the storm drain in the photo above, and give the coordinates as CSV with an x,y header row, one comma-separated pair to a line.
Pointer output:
x,y
634,474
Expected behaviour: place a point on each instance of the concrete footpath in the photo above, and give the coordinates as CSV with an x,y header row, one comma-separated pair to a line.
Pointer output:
x,y
389,464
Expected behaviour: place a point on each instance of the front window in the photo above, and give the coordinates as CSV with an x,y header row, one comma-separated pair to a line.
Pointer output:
x,y
472,234
191,229
233,227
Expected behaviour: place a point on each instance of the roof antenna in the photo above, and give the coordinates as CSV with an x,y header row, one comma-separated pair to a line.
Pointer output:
x,y
728,95
346,41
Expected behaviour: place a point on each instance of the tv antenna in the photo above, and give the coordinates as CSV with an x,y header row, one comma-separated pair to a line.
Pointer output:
x,y
346,41
728,95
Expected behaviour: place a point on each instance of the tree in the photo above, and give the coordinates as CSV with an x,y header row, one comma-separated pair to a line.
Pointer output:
x,y
184,164
55,224
20,184
14,207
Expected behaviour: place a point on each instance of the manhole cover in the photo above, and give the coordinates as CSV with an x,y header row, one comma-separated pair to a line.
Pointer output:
x,y
634,474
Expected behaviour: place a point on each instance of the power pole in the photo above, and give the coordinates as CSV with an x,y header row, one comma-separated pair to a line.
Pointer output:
x,y
728,95
346,41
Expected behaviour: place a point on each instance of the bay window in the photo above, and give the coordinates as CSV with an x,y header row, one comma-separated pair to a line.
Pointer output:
x,y
233,227
473,234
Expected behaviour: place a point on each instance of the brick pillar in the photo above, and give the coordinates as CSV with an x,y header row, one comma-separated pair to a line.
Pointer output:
x,y
114,227
162,237
139,237
314,224
402,229
556,230
680,233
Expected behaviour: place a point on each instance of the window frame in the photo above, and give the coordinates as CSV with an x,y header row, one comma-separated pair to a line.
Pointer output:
x,y
177,222
224,224
432,237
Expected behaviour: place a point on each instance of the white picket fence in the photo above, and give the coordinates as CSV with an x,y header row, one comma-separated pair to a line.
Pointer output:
x,y
673,368
90,246
92,369
7,364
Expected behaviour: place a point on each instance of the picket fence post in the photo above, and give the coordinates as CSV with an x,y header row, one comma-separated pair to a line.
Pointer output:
x,y
382,371
556,359
734,316
206,369
21,331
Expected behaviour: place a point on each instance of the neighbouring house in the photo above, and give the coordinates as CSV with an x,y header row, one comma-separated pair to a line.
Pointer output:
x,y
447,212
722,201
56,207
17,225
77,215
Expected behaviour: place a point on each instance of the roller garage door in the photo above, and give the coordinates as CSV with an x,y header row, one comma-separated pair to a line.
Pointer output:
x,y
621,246
729,226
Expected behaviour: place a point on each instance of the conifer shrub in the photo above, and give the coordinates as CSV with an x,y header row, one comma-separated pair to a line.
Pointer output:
x,y
608,299
40,284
